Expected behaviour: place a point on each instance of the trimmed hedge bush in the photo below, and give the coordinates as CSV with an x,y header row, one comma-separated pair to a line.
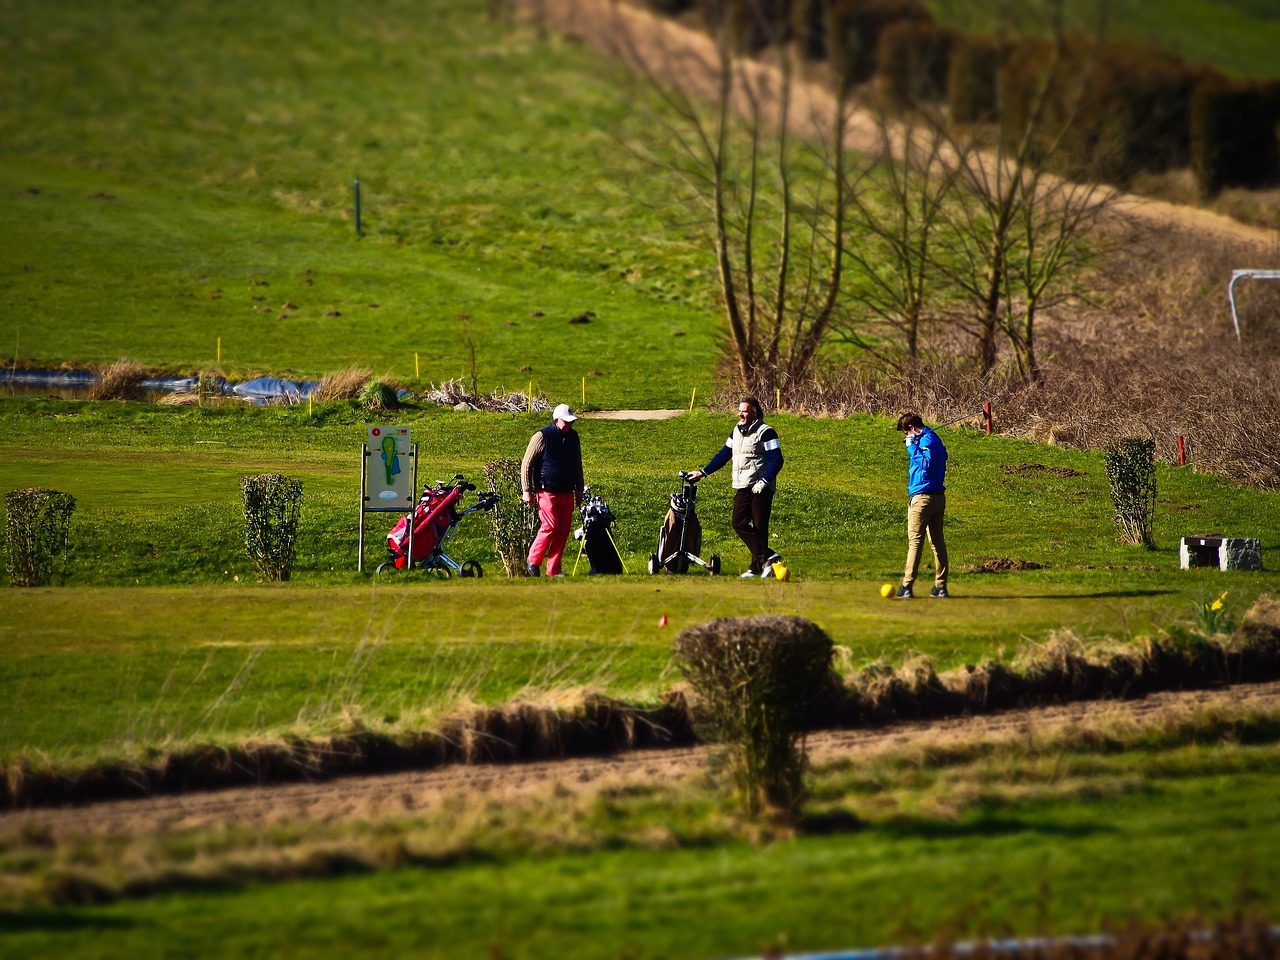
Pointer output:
x,y
1234,140
854,28
913,59
756,24
759,678
973,77
1131,469
37,529
272,507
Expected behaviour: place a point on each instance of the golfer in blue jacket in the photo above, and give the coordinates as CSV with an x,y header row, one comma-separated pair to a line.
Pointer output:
x,y
926,490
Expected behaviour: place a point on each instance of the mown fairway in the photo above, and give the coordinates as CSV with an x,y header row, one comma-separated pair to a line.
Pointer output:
x,y
177,174
223,656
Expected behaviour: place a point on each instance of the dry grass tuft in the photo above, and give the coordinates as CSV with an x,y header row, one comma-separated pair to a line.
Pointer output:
x,y
121,380
341,385
178,400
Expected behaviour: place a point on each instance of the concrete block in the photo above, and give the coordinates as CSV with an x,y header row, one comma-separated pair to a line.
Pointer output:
x,y
1225,553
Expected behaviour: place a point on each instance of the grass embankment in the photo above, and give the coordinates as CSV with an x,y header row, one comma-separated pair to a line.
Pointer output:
x,y
105,669
1055,831
174,177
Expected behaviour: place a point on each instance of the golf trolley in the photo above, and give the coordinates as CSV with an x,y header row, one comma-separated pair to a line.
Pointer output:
x,y
595,538
434,520
680,539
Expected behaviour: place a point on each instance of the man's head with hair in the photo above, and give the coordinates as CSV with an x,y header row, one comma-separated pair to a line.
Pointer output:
x,y
756,413
909,420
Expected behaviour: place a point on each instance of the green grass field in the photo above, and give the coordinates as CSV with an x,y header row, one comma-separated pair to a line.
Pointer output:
x,y
162,166
160,193
1038,842
157,547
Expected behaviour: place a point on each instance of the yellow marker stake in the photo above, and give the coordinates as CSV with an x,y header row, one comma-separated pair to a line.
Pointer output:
x,y
416,372
529,398
309,411
219,349
691,399
777,405
584,391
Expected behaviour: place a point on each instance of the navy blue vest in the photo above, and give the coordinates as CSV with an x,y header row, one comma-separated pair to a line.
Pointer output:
x,y
561,460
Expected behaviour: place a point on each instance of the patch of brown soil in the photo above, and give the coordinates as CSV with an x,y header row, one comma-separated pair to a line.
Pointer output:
x,y
1001,565
419,793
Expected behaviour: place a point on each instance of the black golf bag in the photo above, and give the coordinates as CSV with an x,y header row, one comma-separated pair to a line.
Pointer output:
x,y
680,538
596,539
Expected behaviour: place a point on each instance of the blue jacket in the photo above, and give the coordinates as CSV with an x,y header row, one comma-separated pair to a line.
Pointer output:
x,y
927,465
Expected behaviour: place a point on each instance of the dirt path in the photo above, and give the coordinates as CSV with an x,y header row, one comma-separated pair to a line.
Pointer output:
x,y
632,414
673,52
415,794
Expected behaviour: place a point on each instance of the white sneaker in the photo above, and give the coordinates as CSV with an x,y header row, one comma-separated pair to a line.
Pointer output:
x,y
768,571
749,575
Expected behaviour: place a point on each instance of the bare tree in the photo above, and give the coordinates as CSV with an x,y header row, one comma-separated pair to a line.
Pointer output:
x,y
776,203
1014,229
894,224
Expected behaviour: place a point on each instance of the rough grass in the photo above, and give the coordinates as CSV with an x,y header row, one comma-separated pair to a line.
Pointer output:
x,y
926,809
1062,669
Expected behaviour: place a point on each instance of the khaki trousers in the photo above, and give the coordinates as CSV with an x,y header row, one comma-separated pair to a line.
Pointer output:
x,y
924,517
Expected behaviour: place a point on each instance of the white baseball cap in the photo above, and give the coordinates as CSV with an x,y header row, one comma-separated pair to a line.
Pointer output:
x,y
564,412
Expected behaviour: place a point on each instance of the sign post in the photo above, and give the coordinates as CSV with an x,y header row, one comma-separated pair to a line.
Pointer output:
x,y
388,476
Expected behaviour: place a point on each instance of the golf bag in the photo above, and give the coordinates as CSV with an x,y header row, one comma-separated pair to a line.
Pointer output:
x,y
596,539
680,537
434,520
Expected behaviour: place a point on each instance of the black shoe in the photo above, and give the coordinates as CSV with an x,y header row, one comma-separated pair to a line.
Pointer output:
x,y
904,593
939,592
535,570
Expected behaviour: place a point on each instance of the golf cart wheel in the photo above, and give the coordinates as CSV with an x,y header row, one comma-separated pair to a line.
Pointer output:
x,y
471,568
715,564
653,564
386,566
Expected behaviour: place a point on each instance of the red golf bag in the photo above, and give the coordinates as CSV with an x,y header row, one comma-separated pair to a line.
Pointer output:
x,y
434,515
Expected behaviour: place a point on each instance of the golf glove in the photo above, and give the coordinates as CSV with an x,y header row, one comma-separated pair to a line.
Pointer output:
x,y
911,441
760,486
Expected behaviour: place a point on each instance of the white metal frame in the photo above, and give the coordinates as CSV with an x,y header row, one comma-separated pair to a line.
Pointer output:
x,y
1231,289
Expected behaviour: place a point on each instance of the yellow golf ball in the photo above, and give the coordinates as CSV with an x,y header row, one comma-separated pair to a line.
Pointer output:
x,y
886,590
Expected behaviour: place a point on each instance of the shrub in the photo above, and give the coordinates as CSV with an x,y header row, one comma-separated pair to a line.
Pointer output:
x,y
972,79
121,380
272,506
379,396
755,24
853,33
512,522
758,677
809,28
1131,469
341,385
912,60
1233,134
37,525
1134,115
669,7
